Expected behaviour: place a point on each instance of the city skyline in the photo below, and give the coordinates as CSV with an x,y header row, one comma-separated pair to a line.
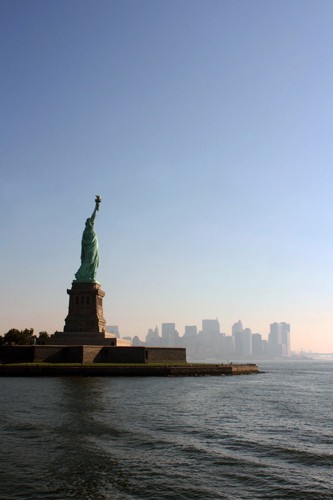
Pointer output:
x,y
206,128
210,342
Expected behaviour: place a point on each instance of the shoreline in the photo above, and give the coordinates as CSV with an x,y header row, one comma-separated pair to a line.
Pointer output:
x,y
126,370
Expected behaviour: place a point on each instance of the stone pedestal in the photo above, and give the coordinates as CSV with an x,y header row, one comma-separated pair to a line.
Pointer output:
x,y
85,311
85,323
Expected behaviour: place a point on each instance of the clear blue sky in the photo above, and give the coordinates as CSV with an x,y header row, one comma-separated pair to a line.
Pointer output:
x,y
205,125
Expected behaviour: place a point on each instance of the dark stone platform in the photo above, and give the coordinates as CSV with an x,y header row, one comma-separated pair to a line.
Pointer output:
x,y
91,354
82,338
128,371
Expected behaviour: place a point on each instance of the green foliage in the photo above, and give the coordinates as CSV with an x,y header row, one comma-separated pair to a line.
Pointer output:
x,y
19,337
42,337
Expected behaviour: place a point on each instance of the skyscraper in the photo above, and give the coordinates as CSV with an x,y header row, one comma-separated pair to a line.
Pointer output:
x,y
191,331
237,327
257,345
285,339
279,339
243,340
152,337
210,327
247,342
170,335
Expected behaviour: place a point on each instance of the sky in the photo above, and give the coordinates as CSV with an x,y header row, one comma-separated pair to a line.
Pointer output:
x,y
206,127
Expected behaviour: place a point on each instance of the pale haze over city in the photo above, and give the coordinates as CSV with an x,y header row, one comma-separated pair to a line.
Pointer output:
x,y
205,126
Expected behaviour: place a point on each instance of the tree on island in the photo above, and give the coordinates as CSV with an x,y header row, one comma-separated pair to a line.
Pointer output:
x,y
42,336
20,337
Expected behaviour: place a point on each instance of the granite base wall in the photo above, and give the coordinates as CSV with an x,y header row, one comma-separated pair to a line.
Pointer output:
x,y
121,355
90,354
16,354
165,354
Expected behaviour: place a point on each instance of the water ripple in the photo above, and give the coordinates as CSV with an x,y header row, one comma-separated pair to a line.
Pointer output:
x,y
234,438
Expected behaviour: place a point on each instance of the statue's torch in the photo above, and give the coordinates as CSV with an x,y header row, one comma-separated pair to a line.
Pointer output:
x,y
98,200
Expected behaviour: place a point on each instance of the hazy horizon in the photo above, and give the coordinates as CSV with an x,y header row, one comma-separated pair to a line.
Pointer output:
x,y
206,128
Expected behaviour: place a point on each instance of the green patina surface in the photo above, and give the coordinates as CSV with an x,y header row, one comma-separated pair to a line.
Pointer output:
x,y
89,250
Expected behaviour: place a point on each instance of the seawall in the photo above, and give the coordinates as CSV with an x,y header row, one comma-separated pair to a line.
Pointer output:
x,y
187,370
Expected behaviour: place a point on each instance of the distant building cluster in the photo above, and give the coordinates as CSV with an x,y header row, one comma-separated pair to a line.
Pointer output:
x,y
211,343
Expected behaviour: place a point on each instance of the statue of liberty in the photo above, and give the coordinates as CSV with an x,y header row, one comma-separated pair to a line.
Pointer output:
x,y
89,250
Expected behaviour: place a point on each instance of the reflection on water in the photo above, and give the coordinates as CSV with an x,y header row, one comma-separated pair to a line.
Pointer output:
x,y
265,436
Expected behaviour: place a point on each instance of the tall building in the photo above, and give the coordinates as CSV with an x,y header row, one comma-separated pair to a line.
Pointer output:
x,y
257,345
136,341
247,342
170,336
191,331
237,327
190,341
210,339
210,327
237,335
279,339
153,338
286,339
243,342
275,340
113,329
228,346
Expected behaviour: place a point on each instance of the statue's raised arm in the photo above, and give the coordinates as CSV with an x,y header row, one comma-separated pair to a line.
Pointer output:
x,y
98,200
89,250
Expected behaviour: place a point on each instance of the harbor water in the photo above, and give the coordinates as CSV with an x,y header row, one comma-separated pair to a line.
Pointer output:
x,y
240,437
